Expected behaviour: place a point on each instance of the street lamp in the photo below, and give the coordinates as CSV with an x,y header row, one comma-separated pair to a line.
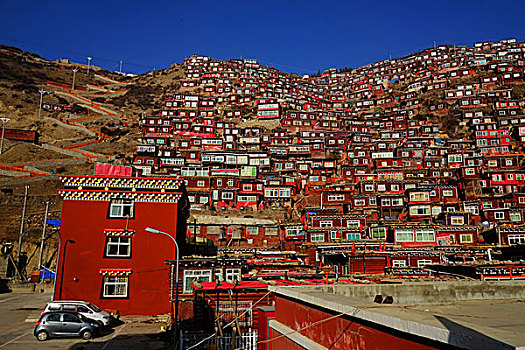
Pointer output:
x,y
62,270
74,73
43,235
42,92
89,63
152,230
4,120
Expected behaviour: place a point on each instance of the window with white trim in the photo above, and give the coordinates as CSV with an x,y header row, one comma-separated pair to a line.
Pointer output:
x,y
378,232
271,231
359,202
397,202
218,275
355,224
232,274
403,235
499,215
317,237
326,223
423,263
423,235
420,210
399,263
190,276
448,193
465,238
121,208
353,236
294,231
457,220
516,239
336,197
227,195
252,230
115,286
515,216
118,247
419,196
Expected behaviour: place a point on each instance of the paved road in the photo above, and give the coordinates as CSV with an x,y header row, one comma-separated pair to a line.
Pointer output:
x,y
19,313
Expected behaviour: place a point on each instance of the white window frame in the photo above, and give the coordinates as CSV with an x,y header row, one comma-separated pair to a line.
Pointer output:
x,y
399,263
457,220
326,223
317,237
119,207
120,285
424,262
448,193
425,235
516,239
419,196
227,195
202,275
119,242
232,274
402,235
466,238
499,215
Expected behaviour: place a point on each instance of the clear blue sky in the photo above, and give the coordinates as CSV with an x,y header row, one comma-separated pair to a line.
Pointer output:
x,y
294,36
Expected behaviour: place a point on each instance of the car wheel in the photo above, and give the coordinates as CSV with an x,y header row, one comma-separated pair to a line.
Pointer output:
x,y
42,336
86,334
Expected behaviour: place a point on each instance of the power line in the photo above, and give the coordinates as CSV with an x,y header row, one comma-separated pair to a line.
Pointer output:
x,y
78,54
232,322
354,312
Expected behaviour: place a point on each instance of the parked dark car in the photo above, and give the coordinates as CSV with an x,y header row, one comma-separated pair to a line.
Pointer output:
x,y
65,324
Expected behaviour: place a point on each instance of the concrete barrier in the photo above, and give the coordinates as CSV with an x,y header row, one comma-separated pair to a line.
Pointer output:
x,y
428,293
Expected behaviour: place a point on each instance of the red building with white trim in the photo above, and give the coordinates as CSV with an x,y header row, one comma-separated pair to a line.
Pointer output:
x,y
105,255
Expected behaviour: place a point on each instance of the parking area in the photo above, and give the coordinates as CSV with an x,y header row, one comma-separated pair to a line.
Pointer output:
x,y
20,312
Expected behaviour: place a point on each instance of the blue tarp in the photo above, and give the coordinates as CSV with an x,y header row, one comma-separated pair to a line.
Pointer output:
x,y
53,222
47,274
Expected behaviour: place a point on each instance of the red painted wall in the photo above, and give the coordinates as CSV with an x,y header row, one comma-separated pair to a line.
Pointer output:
x,y
337,333
84,222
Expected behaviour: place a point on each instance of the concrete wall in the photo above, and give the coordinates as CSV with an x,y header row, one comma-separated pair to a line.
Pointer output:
x,y
428,293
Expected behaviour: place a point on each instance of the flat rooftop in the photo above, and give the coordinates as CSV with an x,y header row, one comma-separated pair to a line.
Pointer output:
x,y
471,315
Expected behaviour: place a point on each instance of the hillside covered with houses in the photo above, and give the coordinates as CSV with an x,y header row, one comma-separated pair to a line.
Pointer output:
x,y
420,151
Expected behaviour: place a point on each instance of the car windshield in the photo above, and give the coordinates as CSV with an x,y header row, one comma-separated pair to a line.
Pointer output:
x,y
95,308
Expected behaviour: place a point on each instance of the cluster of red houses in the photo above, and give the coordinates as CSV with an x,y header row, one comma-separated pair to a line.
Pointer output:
x,y
366,144
389,167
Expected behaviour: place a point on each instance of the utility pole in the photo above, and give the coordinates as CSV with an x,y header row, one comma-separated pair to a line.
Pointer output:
x,y
89,63
4,120
74,73
22,226
120,70
42,92
43,234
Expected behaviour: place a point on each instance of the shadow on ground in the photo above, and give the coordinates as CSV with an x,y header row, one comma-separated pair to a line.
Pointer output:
x,y
465,337
4,286
157,341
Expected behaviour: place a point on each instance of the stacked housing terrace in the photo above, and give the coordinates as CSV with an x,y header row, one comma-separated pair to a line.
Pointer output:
x,y
420,151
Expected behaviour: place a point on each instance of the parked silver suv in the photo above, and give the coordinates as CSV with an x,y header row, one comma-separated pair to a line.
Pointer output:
x,y
82,307
65,324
